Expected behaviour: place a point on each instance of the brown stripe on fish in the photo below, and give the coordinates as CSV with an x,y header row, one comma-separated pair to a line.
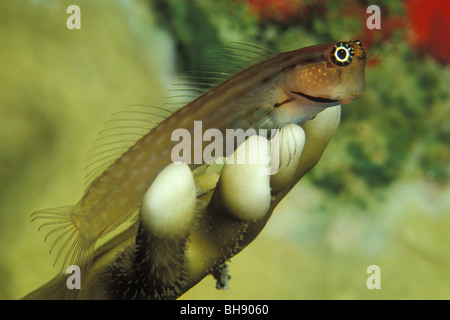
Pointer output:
x,y
314,99
279,104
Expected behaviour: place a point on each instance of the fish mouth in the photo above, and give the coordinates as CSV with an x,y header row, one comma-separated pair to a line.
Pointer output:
x,y
350,97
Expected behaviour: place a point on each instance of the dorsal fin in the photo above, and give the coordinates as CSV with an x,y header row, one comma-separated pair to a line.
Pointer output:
x,y
126,127
119,134
217,67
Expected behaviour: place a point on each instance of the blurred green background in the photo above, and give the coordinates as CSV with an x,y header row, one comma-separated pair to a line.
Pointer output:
x,y
380,195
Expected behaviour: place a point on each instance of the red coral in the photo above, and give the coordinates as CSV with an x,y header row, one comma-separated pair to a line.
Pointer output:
x,y
425,25
279,10
430,25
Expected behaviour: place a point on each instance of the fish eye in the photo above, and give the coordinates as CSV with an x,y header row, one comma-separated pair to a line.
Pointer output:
x,y
342,54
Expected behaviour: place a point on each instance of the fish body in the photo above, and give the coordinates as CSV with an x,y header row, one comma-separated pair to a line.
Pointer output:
x,y
290,87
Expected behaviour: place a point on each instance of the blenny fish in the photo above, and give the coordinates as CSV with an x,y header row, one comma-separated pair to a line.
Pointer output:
x,y
290,87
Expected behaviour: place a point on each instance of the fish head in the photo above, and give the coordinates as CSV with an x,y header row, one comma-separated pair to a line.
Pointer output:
x,y
348,61
330,73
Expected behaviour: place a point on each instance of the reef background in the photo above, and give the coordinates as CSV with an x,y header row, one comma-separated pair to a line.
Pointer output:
x,y
380,195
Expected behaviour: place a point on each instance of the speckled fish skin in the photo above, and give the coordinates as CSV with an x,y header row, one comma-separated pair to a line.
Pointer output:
x,y
291,87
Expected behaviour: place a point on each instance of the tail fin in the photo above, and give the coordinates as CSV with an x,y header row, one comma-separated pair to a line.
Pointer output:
x,y
69,242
